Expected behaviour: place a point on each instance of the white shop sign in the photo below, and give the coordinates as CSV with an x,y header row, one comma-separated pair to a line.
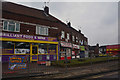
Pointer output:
x,y
73,56
22,51
64,44
76,46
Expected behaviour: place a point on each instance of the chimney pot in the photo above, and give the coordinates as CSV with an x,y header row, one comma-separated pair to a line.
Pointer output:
x,y
46,10
69,24
79,31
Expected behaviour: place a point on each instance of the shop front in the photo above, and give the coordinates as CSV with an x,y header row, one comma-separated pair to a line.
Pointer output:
x,y
65,50
34,48
82,51
75,51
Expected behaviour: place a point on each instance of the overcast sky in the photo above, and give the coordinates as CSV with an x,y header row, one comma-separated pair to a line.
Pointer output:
x,y
98,21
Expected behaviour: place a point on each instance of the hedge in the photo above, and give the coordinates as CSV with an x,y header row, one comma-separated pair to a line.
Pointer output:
x,y
80,62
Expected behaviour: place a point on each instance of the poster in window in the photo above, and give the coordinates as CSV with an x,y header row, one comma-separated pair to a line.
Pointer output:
x,y
73,57
62,52
48,57
73,52
68,52
54,57
22,51
41,51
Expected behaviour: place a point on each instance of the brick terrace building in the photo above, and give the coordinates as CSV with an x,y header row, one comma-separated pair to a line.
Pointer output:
x,y
94,50
29,31
113,50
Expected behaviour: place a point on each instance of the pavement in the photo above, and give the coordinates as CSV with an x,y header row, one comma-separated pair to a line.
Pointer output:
x,y
81,72
73,73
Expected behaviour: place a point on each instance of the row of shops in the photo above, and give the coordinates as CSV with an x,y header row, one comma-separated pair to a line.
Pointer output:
x,y
71,51
38,48
29,39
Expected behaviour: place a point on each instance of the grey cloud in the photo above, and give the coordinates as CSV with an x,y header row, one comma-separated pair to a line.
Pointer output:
x,y
97,19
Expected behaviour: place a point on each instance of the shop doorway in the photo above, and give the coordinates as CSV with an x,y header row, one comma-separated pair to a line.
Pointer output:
x,y
34,53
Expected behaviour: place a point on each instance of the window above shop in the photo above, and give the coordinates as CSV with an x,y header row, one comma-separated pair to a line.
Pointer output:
x,y
76,39
73,38
11,26
81,42
42,30
68,37
62,34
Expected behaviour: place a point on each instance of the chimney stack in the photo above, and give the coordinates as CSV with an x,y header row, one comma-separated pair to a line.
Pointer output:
x,y
79,31
69,24
46,10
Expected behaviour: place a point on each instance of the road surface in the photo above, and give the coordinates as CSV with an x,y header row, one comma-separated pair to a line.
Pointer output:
x,y
105,76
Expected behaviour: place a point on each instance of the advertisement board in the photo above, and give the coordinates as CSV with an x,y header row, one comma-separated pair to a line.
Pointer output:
x,y
64,44
76,46
16,62
82,48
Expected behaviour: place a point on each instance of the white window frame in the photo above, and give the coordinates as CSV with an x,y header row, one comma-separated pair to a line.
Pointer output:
x,y
73,38
81,42
8,23
45,28
68,36
76,39
62,34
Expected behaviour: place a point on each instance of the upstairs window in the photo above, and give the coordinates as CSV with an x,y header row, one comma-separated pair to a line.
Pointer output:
x,y
62,34
68,36
82,42
73,38
42,30
11,26
76,39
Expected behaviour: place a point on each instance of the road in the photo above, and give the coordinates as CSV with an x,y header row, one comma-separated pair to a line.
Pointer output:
x,y
105,76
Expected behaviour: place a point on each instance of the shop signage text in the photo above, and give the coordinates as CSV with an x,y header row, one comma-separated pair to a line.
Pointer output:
x,y
64,44
21,36
76,46
82,48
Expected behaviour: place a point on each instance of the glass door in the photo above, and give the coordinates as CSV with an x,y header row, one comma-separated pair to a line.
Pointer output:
x,y
34,52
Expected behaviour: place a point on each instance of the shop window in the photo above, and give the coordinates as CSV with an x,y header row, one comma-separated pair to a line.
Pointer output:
x,y
62,53
104,49
7,47
62,34
41,30
40,57
51,48
54,57
42,49
11,26
34,50
68,52
22,48
48,57
0,44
